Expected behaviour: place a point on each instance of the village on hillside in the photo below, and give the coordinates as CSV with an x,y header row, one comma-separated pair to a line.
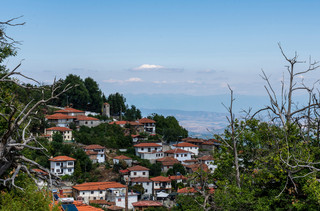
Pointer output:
x,y
127,184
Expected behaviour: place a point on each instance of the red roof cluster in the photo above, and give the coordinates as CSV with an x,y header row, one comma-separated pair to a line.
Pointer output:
x,y
206,157
62,158
167,161
60,116
62,129
86,118
140,179
98,186
177,177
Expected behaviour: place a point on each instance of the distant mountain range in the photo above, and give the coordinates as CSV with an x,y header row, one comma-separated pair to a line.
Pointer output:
x,y
199,123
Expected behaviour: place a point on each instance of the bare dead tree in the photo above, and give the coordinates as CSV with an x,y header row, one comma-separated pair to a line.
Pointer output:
x,y
284,113
15,119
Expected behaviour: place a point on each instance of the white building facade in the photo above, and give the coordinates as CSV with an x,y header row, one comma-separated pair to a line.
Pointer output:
x,y
62,165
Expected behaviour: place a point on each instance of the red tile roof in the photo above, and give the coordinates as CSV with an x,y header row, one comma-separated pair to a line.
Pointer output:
x,y
114,207
86,118
177,150
98,201
191,161
138,168
146,120
140,179
185,144
59,116
69,110
94,146
177,177
40,171
166,159
147,204
147,145
90,152
160,179
98,186
194,140
195,167
62,158
124,171
58,129
122,157
206,157
84,207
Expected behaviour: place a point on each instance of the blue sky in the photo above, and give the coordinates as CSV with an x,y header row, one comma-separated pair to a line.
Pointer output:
x,y
164,47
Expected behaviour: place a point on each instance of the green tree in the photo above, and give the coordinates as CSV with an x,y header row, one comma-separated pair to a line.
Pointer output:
x,y
117,104
95,95
132,113
177,167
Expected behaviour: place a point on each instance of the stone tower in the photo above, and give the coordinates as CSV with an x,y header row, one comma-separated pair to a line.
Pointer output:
x,y
106,110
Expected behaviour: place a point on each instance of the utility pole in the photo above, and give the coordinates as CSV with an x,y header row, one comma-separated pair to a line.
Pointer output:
x,y
127,189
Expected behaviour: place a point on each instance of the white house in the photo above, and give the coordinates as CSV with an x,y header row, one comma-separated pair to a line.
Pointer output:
x,y
167,163
97,150
179,154
60,120
188,147
149,125
161,183
120,200
209,161
149,151
65,132
145,182
70,111
62,165
138,171
88,121
123,158
98,191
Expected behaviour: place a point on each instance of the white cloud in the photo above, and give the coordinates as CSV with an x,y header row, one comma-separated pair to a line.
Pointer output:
x,y
134,80
148,67
207,71
112,81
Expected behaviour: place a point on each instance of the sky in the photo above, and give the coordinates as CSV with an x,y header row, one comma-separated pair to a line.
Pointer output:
x,y
148,47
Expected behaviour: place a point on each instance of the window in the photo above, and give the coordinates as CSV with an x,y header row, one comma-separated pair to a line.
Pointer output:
x,y
101,155
94,198
58,170
185,155
146,191
70,163
100,192
147,183
86,123
57,164
91,122
157,184
177,155
92,192
119,199
69,170
141,149
143,173
83,193
134,173
101,198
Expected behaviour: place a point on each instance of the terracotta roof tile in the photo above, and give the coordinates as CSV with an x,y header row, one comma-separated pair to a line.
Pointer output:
x,y
147,145
177,177
138,168
86,118
62,158
185,144
160,179
90,152
98,186
177,150
69,110
146,120
94,146
206,157
147,204
59,116
58,129
140,179
114,207
122,157
98,201
84,207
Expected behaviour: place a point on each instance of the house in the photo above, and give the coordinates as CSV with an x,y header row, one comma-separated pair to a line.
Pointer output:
x,y
136,138
143,205
180,154
210,144
65,132
124,174
195,167
178,178
149,125
60,120
209,161
123,158
120,199
145,182
62,165
189,162
188,147
95,153
138,171
88,121
70,111
98,191
167,163
194,141
149,151
161,183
